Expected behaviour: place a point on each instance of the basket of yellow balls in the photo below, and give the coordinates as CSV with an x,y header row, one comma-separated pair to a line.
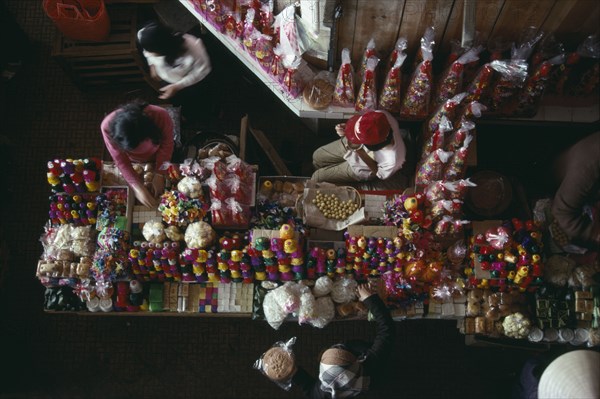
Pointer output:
x,y
331,207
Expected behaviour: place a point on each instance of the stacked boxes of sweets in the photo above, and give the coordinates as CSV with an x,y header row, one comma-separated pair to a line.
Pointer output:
x,y
69,238
565,315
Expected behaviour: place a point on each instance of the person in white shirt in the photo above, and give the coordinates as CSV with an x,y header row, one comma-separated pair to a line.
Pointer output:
x,y
181,61
371,148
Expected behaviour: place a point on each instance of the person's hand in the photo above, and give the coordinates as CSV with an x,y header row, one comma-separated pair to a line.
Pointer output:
x,y
364,291
168,91
145,197
158,184
340,129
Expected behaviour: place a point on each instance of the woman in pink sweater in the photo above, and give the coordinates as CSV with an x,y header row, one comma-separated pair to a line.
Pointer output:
x,y
138,132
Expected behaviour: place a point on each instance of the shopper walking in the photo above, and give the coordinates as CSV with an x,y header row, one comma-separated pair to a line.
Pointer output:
x,y
181,62
139,132
349,368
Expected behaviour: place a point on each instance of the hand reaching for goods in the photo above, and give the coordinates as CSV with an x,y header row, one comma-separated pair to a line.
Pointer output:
x,y
364,291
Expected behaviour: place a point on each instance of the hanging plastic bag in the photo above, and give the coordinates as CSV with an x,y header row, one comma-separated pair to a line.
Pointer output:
x,y
85,20
367,94
343,94
416,100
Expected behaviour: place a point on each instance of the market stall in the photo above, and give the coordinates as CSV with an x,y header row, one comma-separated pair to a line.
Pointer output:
x,y
226,240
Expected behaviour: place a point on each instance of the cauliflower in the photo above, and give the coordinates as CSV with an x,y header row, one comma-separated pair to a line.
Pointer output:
x,y
516,325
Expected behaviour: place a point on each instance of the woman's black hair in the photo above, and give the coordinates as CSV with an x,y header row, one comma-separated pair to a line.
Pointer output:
x,y
130,126
377,147
157,38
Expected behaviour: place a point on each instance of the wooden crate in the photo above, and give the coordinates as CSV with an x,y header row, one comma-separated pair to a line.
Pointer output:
x,y
115,61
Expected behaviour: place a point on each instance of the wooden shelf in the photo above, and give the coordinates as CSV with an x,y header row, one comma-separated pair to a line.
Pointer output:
x,y
296,105
549,112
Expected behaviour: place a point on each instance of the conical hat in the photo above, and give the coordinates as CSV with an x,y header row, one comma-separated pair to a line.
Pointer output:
x,y
575,374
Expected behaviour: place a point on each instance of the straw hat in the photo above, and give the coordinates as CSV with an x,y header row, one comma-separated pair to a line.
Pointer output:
x,y
575,374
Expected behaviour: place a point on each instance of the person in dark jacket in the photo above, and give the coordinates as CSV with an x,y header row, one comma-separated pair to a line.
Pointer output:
x,y
576,203
349,368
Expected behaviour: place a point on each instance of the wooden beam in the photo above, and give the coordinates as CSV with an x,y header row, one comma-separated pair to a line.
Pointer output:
x,y
270,151
243,137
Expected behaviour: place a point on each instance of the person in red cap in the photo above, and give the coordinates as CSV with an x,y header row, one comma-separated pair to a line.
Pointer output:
x,y
370,148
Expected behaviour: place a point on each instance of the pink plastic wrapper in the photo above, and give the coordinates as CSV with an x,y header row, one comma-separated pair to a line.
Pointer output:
x,y
249,32
451,81
263,50
456,167
230,25
343,94
276,69
367,94
391,93
431,168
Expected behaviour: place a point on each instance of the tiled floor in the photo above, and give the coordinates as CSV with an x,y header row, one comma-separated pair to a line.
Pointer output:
x,y
66,356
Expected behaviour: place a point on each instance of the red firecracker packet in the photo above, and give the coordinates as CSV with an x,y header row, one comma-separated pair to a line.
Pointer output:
x,y
367,94
416,100
471,111
456,167
399,48
292,83
391,94
479,88
369,52
437,139
451,80
431,169
512,75
530,96
343,94
457,139
448,110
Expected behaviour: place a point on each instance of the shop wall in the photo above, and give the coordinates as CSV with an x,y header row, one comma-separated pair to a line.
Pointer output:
x,y
387,20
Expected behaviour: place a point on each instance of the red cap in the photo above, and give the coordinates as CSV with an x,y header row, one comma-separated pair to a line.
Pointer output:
x,y
371,128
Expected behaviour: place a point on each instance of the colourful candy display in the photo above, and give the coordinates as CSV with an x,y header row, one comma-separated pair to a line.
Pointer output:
x,y
74,175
